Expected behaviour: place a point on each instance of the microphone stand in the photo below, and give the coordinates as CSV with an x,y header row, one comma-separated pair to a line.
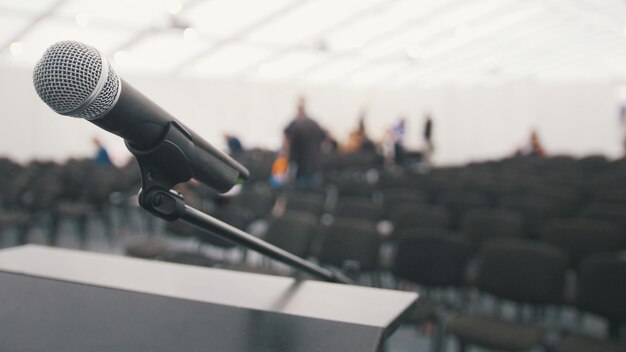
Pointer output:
x,y
166,165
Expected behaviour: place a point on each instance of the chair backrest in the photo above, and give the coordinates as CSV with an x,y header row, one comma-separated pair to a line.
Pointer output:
x,y
523,270
603,287
482,225
404,217
424,231
351,240
307,202
607,212
293,232
357,208
432,260
583,237
460,202
258,199
393,197
357,188
536,210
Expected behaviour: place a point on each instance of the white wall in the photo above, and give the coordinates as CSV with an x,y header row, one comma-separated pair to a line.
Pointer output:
x,y
470,123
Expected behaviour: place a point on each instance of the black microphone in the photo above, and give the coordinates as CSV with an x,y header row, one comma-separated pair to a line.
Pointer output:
x,y
76,80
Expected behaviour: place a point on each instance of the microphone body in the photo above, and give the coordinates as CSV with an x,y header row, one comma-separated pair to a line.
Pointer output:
x,y
96,93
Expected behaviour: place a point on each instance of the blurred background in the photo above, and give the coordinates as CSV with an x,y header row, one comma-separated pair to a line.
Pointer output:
x,y
488,71
472,151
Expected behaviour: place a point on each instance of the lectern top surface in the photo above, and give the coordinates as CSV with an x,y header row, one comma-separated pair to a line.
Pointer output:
x,y
314,299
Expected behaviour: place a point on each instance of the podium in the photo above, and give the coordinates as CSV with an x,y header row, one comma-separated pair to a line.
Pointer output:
x,y
72,301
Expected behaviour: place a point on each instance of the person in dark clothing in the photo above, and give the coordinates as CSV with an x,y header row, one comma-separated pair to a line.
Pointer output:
x,y
303,138
102,156
428,137
234,144
397,131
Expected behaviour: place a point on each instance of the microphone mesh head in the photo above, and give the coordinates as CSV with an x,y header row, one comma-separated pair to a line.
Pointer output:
x,y
74,79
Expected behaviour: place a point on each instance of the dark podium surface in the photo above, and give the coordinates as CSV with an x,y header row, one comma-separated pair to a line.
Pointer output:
x,y
65,300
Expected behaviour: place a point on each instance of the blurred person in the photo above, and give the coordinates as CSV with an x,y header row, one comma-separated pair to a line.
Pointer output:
x,y
623,122
234,144
428,134
398,131
280,168
302,139
358,139
533,147
102,155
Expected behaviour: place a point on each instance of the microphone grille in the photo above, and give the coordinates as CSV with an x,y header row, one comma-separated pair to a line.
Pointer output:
x,y
75,79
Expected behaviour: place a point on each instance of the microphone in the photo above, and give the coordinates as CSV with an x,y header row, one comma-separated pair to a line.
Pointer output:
x,y
75,79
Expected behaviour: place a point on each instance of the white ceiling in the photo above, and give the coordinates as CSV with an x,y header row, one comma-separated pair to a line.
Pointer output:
x,y
352,43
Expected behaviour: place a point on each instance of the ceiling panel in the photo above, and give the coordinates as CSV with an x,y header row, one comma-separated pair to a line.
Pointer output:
x,y
48,32
288,65
160,52
227,17
334,69
353,42
308,20
230,60
375,74
27,5
138,12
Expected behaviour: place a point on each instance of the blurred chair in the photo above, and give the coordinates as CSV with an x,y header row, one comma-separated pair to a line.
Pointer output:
x,y
393,197
41,193
357,188
433,261
418,216
482,225
351,244
613,195
293,232
12,212
306,202
357,208
257,198
602,292
86,191
522,271
583,237
535,209
607,212
459,202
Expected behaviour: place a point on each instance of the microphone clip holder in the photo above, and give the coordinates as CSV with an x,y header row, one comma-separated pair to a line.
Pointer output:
x,y
166,165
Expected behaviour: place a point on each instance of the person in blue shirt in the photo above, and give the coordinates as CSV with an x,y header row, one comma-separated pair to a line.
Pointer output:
x,y
102,156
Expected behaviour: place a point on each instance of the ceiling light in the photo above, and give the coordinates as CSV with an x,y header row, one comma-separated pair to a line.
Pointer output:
x,y
415,52
82,19
190,35
173,6
16,48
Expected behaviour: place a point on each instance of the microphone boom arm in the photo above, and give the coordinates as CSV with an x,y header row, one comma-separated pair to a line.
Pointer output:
x,y
166,165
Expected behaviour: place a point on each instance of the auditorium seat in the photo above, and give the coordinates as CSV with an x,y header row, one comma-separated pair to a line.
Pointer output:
x,y
432,261
349,243
536,210
458,203
307,202
357,208
293,232
398,196
522,271
583,237
483,224
423,215
602,292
